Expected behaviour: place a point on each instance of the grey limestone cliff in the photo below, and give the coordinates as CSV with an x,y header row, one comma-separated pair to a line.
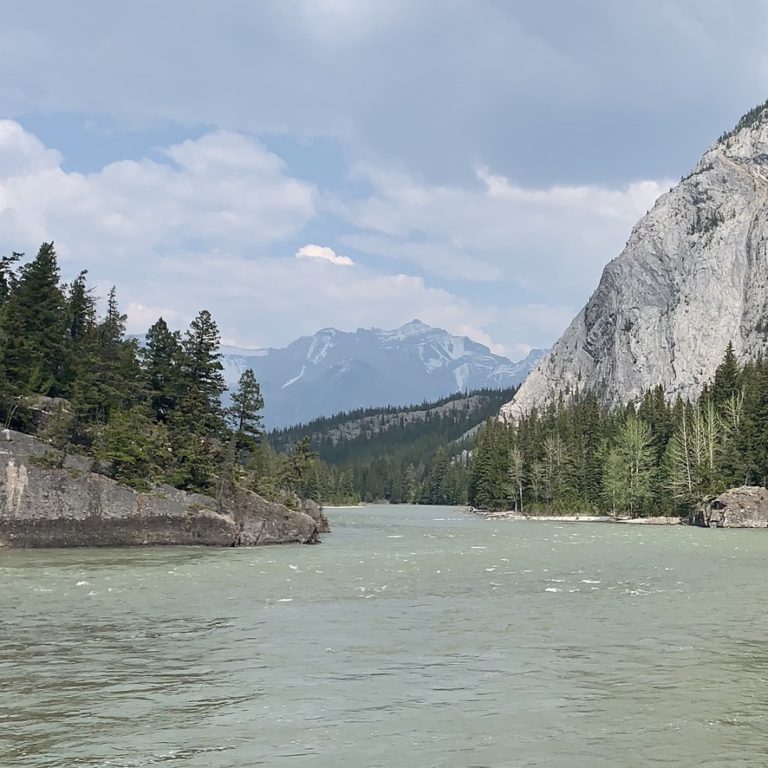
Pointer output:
x,y
74,507
692,277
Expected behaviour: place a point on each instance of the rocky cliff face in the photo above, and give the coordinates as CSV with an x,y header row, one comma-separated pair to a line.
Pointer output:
x,y
692,277
73,507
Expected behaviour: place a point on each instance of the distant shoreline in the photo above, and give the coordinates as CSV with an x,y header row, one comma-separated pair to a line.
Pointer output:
x,y
581,518
517,516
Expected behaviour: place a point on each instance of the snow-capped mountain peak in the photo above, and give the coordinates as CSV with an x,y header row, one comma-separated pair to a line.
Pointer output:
x,y
334,370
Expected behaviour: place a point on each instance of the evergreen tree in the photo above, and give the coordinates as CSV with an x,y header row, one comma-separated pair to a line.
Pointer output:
x,y
80,319
129,444
435,487
297,465
194,462
32,318
203,378
245,412
726,381
411,489
489,482
8,278
162,366
107,376
80,310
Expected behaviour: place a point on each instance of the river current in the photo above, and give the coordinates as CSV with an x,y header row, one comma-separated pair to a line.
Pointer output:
x,y
412,637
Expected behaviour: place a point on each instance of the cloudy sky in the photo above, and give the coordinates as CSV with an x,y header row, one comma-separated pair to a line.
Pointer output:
x,y
296,164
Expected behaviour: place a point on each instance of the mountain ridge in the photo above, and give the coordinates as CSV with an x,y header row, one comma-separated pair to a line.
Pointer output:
x,y
369,433
692,277
333,371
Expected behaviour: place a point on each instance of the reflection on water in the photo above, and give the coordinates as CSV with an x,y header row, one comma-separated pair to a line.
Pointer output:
x,y
412,637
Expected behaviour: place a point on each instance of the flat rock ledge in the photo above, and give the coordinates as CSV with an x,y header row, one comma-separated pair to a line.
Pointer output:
x,y
744,507
74,507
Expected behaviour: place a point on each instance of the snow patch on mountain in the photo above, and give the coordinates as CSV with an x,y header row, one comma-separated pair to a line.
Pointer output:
x,y
295,378
322,342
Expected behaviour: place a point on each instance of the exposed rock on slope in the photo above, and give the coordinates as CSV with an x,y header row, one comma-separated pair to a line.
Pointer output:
x,y
692,277
70,507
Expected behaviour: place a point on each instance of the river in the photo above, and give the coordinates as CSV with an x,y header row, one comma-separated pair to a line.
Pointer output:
x,y
413,637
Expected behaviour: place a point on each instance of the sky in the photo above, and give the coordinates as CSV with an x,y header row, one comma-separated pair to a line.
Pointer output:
x,y
298,164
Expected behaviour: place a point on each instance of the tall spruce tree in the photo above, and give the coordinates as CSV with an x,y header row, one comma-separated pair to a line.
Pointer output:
x,y
8,277
726,381
203,378
80,309
162,366
245,412
436,489
107,376
33,322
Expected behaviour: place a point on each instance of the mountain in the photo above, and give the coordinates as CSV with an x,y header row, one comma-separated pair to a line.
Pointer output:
x,y
398,454
334,371
692,277
414,431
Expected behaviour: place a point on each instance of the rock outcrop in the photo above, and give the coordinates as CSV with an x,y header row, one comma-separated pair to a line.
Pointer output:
x,y
745,507
315,511
692,277
73,507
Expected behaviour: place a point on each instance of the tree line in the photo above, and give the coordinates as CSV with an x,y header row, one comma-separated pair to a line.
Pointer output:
x,y
414,454
157,413
653,457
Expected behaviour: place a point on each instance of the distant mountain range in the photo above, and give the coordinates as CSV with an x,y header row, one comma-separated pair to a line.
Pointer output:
x,y
335,371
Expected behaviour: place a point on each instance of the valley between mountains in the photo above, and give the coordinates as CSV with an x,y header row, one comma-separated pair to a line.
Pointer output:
x,y
652,403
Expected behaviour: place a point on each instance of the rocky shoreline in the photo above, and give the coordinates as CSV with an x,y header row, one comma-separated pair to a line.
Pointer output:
x,y
743,507
72,506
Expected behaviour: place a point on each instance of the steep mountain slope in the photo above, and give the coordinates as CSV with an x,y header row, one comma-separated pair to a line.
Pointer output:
x,y
334,371
692,277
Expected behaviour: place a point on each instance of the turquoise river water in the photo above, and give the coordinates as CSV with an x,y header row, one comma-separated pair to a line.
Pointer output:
x,y
412,637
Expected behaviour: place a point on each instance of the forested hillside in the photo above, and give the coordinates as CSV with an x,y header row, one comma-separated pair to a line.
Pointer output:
x,y
368,432
652,458
396,454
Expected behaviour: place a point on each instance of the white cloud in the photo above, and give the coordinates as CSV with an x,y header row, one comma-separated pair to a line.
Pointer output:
x,y
208,230
546,99
311,251
499,231
214,225
541,92
272,301
22,153
217,191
